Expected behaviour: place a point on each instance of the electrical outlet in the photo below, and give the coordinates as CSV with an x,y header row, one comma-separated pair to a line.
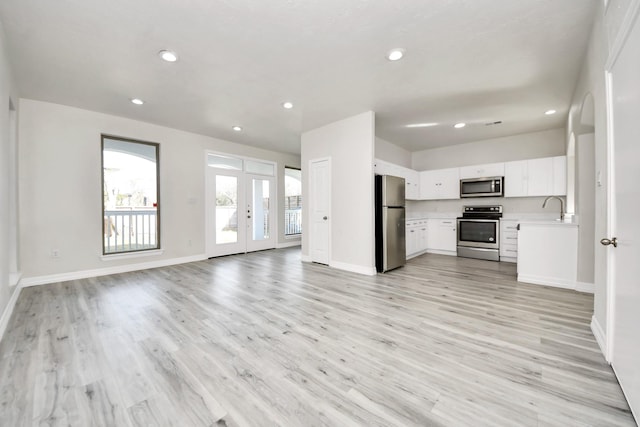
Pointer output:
x,y
55,253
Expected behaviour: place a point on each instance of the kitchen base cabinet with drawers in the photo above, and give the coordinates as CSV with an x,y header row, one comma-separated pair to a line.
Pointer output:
x,y
416,236
509,240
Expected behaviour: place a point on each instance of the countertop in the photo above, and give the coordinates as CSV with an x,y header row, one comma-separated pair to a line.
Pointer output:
x,y
549,223
523,218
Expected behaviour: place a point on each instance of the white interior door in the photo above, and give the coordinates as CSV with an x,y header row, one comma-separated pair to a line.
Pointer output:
x,y
625,268
260,212
320,208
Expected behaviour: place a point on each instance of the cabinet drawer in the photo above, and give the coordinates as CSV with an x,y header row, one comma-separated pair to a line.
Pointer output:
x,y
509,250
509,237
512,253
508,226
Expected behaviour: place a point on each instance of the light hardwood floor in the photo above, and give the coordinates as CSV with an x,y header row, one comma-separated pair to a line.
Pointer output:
x,y
265,340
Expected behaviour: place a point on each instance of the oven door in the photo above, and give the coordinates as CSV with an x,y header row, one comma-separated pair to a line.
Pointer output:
x,y
479,233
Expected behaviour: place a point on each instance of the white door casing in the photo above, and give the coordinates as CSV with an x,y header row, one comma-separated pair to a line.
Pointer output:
x,y
320,210
623,294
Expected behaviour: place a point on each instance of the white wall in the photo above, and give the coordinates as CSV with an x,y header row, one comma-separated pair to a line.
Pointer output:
x,y
384,150
8,182
60,190
592,81
547,143
350,145
586,206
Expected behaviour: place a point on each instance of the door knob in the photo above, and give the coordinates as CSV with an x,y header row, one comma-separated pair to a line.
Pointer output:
x,y
325,218
607,242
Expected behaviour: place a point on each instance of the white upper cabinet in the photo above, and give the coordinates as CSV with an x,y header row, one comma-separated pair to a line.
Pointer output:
x,y
440,184
411,177
536,177
482,171
412,182
540,177
515,179
522,178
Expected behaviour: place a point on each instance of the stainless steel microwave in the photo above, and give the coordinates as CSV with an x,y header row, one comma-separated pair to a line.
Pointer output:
x,y
482,187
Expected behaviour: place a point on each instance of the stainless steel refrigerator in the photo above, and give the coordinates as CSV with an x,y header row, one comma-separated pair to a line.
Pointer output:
x,y
390,223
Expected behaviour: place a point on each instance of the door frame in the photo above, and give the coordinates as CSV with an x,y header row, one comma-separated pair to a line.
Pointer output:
x,y
209,205
311,203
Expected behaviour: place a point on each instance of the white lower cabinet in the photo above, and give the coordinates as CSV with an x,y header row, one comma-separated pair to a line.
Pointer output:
x,y
509,240
548,253
416,236
442,236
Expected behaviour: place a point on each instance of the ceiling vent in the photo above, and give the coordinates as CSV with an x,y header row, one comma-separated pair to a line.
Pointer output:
x,y
499,122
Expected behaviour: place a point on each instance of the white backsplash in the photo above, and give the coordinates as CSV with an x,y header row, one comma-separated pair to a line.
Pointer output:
x,y
528,206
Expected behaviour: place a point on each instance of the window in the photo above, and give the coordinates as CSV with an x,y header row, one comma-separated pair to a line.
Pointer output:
x,y
292,201
131,219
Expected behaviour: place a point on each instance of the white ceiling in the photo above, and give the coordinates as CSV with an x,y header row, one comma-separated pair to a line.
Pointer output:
x,y
475,61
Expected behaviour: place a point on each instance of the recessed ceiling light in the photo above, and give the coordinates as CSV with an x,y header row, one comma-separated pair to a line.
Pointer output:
x,y
288,105
459,125
168,55
550,112
237,128
137,101
395,54
422,125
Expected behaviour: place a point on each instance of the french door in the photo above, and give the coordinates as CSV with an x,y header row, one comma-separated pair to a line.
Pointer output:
x,y
241,211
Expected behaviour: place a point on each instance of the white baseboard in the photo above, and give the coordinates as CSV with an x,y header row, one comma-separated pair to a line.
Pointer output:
x,y
557,283
360,269
547,281
598,333
75,275
288,244
439,252
415,254
589,288
14,278
8,310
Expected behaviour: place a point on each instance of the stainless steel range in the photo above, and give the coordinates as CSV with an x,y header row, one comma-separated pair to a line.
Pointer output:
x,y
479,232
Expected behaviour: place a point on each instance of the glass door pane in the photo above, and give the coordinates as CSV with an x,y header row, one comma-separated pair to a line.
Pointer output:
x,y
261,212
226,209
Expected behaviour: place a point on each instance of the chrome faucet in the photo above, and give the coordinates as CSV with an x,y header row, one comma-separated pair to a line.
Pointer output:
x,y
544,205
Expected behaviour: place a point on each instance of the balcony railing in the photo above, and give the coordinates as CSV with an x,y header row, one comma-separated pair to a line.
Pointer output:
x,y
130,230
292,221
